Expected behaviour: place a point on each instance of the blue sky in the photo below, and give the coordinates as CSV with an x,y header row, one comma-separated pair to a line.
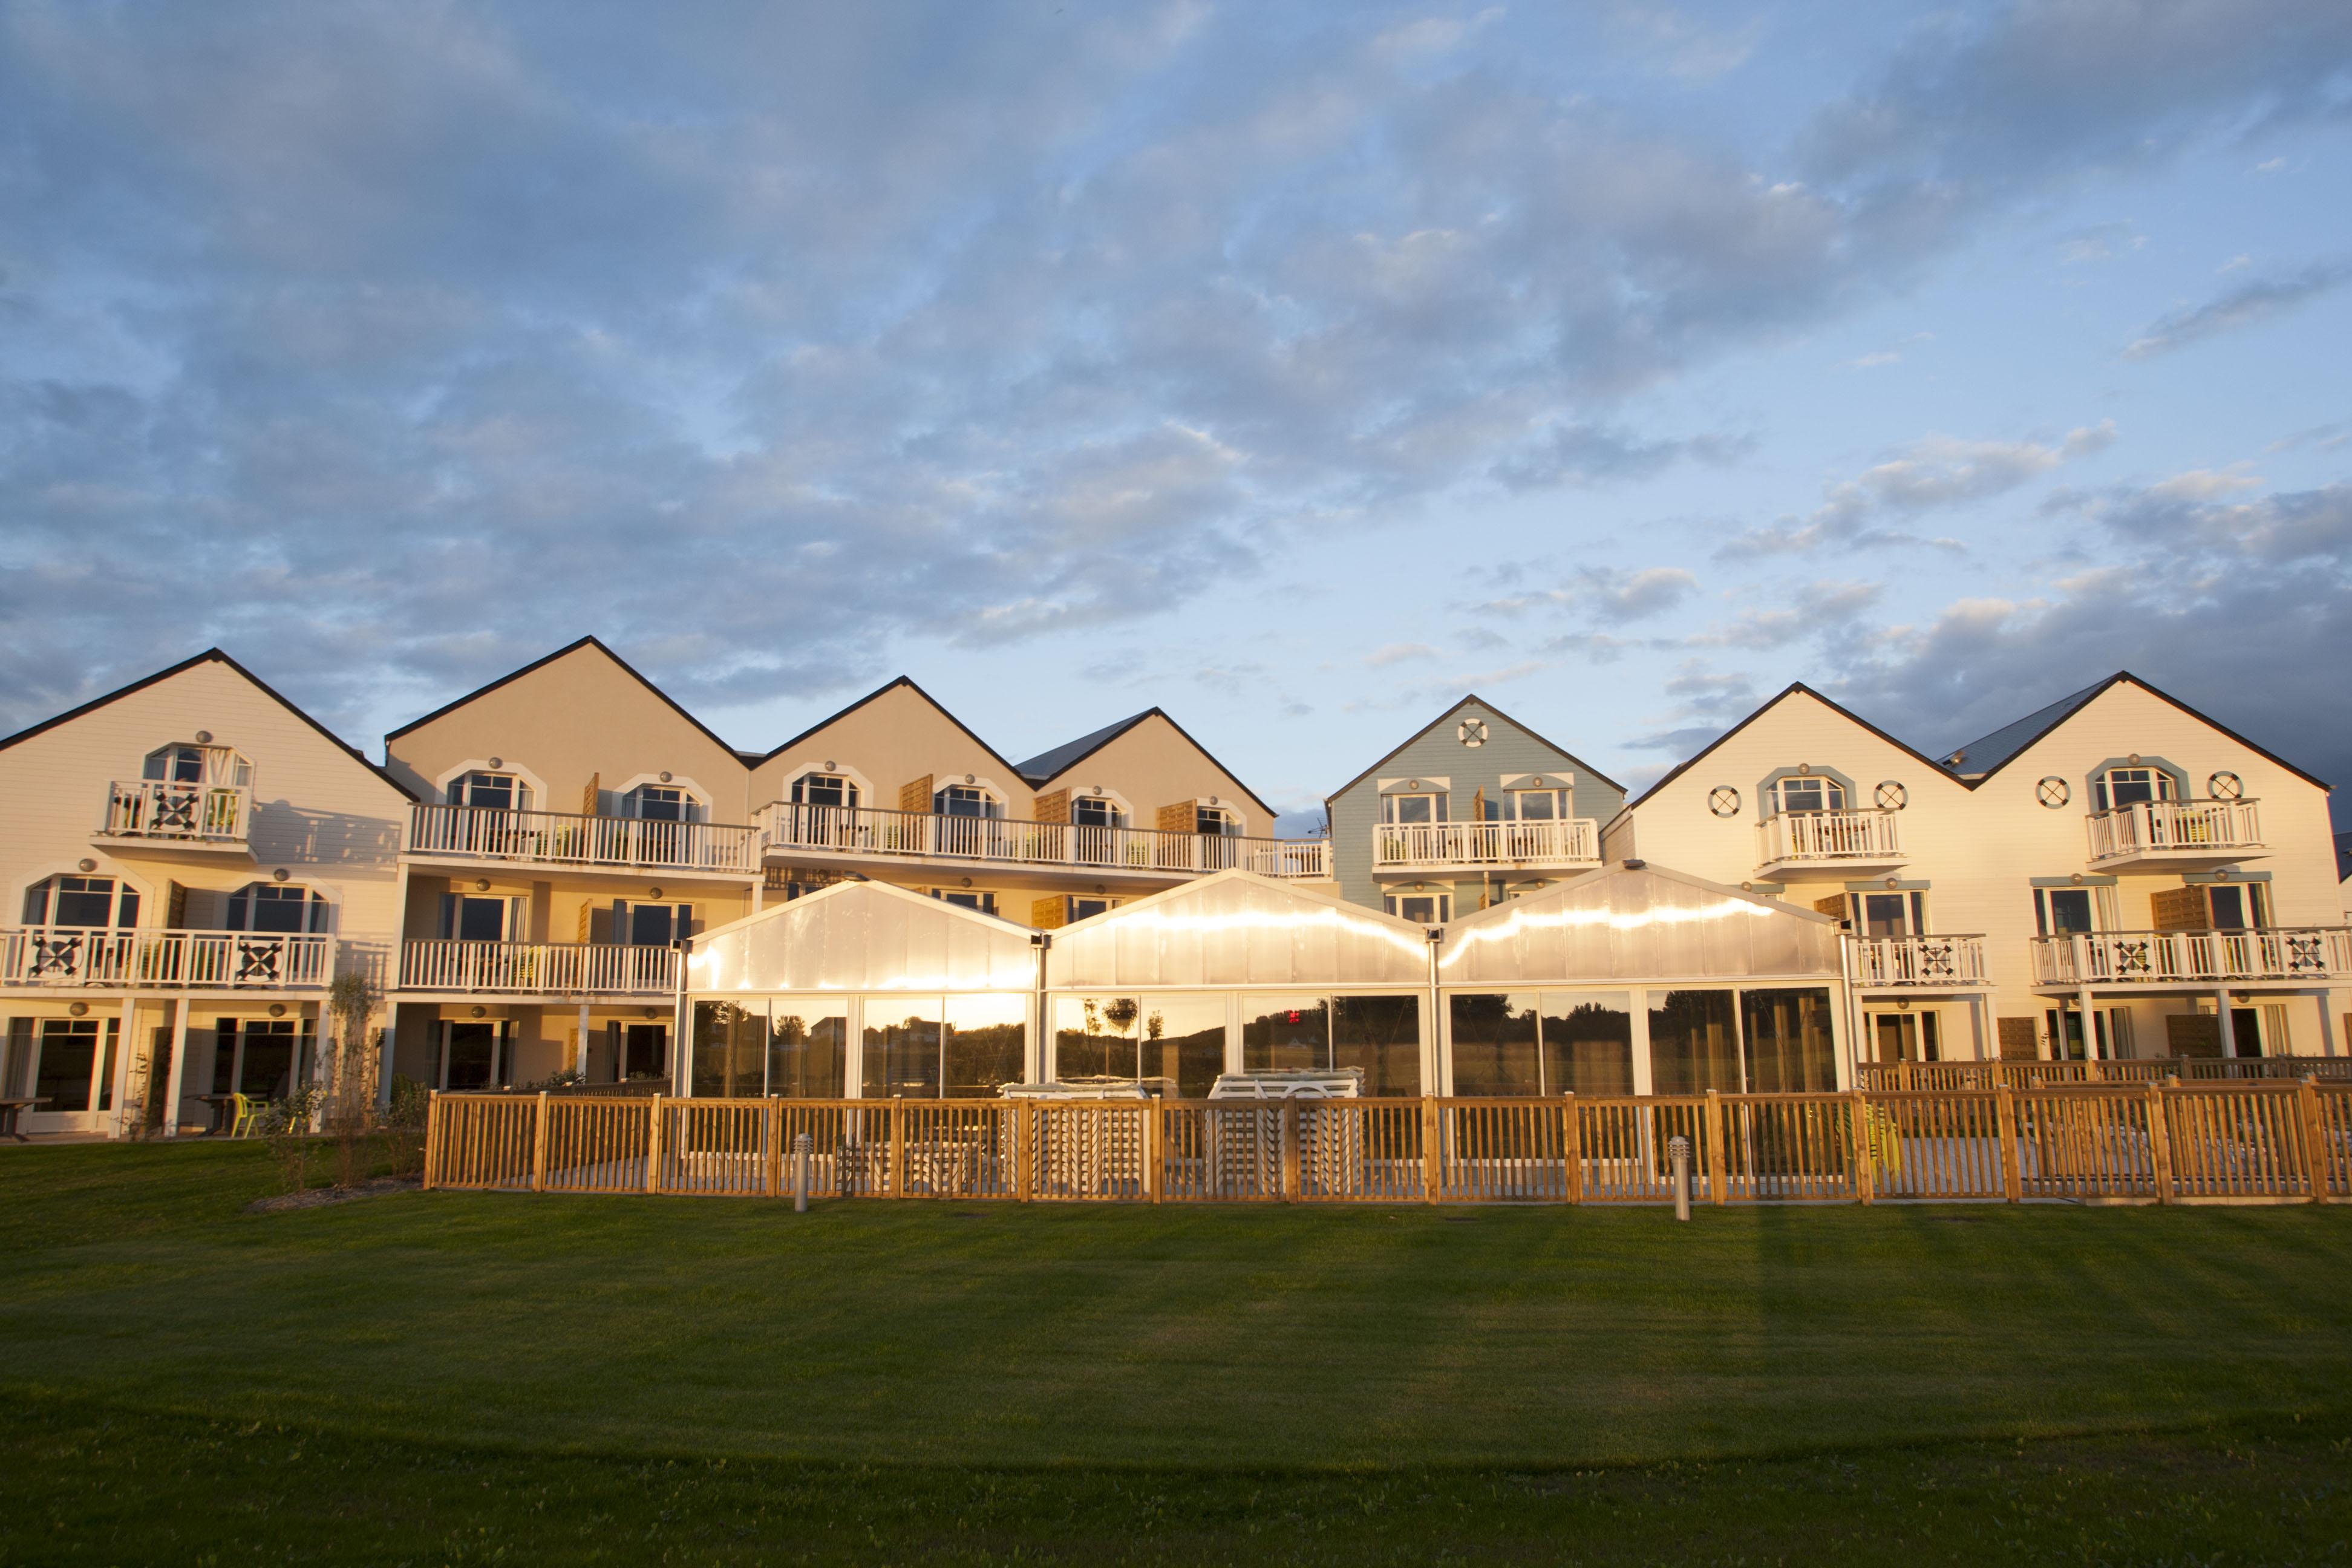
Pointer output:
x,y
1295,369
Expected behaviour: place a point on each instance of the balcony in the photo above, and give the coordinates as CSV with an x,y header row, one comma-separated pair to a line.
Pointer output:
x,y
168,815
1929,962
538,969
164,960
1818,844
474,833
1562,845
2176,834
793,831
2306,954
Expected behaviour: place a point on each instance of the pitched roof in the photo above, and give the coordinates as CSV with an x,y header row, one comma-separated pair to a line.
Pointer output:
x,y
2028,732
1581,766
211,656
1046,766
1791,689
881,691
511,676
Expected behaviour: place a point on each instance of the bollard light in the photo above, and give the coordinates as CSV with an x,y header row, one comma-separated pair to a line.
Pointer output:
x,y
799,1172
1678,1151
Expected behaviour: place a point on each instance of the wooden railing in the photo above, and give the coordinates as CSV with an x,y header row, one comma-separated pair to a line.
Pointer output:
x,y
1411,846
561,838
1918,960
2163,1142
543,968
176,960
2171,957
788,827
2155,1069
183,813
2174,827
1857,836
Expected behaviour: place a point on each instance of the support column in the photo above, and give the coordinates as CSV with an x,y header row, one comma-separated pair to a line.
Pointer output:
x,y
2090,1024
178,1073
2225,1035
580,1052
1638,1010
126,1042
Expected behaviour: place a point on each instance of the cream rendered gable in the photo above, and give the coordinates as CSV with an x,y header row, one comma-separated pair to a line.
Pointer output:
x,y
1153,765
896,738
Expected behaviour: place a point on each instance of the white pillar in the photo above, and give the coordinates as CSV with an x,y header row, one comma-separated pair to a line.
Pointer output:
x,y
2090,1027
580,1059
1638,1013
178,1074
2222,1022
126,1042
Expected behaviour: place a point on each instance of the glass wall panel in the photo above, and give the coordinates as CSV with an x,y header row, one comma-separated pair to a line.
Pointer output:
x,y
1380,1035
1286,1034
1178,1041
1692,1043
987,1044
1587,1042
1788,1042
1495,1043
808,1047
730,1050
902,1054
1097,1037
1184,1042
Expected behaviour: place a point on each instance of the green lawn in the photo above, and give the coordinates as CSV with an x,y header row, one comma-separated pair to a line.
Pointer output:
x,y
451,1377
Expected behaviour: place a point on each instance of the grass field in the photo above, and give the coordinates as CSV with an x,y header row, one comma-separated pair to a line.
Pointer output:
x,y
460,1377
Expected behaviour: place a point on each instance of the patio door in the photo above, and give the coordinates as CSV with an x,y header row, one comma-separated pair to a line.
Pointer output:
x,y
476,1054
1905,1037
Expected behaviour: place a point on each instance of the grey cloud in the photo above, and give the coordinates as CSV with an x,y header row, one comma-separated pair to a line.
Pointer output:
x,y
1591,455
1823,608
2249,303
1606,593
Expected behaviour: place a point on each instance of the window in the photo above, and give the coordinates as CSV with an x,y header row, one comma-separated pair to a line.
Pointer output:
x,y
489,792
964,800
2119,787
984,903
188,764
276,907
808,1049
1786,1042
1075,910
731,1050
1215,820
1175,1044
651,925
477,1055
84,901
1808,791
1892,914
2237,906
1520,1043
824,789
1692,1043
952,1048
1903,1037
71,1070
2062,911
263,1057
1422,908
1403,810
660,803
1093,811
1380,1035
466,917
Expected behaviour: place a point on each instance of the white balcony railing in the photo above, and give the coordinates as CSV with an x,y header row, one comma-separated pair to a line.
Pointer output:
x,y
859,830
1828,836
1411,846
2175,827
2170,957
174,960
1918,960
538,968
560,838
186,813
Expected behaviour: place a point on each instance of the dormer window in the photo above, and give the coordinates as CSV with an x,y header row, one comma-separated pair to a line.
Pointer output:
x,y
1094,811
490,791
194,764
824,789
2119,787
661,803
1809,793
1215,820
92,903
274,907
964,800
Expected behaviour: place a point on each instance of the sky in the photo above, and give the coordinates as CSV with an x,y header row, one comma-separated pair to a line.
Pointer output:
x,y
1296,369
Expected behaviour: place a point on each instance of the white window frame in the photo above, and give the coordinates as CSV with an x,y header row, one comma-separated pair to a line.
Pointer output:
x,y
2159,782
318,908
1833,794
1392,904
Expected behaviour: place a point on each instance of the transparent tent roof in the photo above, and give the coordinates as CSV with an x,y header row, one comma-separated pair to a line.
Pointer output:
x,y
1632,925
1237,928
863,936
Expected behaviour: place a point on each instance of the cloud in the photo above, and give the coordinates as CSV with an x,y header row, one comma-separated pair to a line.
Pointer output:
x,y
1826,608
1592,455
1399,653
2104,242
1934,473
2246,305
1606,593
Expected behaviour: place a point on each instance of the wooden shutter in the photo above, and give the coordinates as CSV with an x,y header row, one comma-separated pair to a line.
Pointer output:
x,y
2180,909
1478,804
2192,1035
1833,907
1054,808
2275,1036
1046,914
589,798
1183,816
176,907
2018,1040
915,797
585,927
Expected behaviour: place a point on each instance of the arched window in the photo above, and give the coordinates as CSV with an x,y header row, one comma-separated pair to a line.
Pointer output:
x,y
824,789
966,800
2131,786
1096,811
91,903
661,803
276,907
1215,820
189,764
490,791
1808,791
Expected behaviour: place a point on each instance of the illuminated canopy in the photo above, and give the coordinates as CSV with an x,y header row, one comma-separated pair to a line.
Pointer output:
x,y
1237,928
1630,924
863,936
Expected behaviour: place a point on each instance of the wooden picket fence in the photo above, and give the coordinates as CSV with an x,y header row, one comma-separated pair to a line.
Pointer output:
x,y
2155,1142
2035,1074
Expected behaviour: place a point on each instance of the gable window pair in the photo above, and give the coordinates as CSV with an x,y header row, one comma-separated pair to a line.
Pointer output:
x,y
1405,810
2119,787
1528,805
1797,794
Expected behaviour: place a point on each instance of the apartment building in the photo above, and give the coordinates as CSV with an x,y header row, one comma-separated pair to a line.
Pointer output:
x,y
2115,875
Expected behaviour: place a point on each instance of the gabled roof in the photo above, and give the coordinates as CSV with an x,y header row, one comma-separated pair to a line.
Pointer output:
x,y
863,936
1635,920
1046,766
2011,741
211,656
626,668
876,695
1793,688
1581,766
1237,928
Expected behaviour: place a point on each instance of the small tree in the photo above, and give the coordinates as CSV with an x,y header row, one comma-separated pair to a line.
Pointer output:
x,y
351,1001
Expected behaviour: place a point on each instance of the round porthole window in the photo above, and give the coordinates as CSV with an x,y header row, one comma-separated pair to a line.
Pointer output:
x,y
1723,800
2227,786
1892,797
1472,732
2053,792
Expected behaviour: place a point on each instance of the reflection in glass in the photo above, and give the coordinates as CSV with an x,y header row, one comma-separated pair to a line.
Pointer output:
x,y
730,1050
1380,1035
808,1045
1788,1042
1587,1043
1178,1042
987,1043
902,1056
1692,1044
1285,1034
1495,1044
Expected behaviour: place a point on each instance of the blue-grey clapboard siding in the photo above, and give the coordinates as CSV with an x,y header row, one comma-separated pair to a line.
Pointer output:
x,y
1438,752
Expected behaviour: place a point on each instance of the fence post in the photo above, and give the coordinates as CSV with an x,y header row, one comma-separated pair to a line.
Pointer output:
x,y
2314,1141
897,1147
772,1146
2013,1180
1290,1150
653,1143
2160,1140
1865,1139
539,1145
1572,1146
1024,1147
1716,1172
432,1135
1430,1169
1153,1131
